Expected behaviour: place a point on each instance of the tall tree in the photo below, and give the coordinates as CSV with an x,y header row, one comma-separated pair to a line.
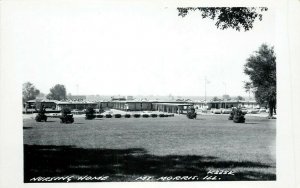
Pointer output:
x,y
240,98
215,99
58,92
226,97
261,69
29,92
228,17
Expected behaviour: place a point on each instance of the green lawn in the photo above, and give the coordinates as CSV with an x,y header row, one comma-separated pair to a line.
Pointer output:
x,y
125,148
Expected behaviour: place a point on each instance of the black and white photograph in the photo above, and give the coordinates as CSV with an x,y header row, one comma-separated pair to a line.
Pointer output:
x,y
141,91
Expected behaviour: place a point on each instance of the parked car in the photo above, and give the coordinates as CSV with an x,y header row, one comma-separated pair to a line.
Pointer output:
x,y
253,111
262,110
244,110
226,111
217,111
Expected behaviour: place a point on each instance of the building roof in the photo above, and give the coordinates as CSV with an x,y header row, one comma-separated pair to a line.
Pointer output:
x,y
232,101
41,100
175,104
75,102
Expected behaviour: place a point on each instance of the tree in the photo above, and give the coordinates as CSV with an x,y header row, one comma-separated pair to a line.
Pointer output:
x,y
228,17
240,98
58,92
41,95
261,69
248,88
226,97
215,99
29,92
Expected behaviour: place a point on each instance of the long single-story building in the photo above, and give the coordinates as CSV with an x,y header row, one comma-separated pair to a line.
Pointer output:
x,y
169,106
130,105
224,104
75,105
33,104
177,108
230,104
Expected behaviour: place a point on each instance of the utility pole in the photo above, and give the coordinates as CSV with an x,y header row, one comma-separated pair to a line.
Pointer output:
x,y
205,88
205,82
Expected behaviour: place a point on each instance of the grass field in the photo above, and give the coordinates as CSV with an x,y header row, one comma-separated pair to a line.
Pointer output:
x,y
125,149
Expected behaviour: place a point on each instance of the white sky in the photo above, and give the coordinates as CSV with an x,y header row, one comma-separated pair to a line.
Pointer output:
x,y
146,49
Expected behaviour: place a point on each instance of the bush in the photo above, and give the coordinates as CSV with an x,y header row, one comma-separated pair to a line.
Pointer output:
x,y
161,115
99,116
137,115
66,111
145,115
191,114
118,115
41,117
90,116
127,115
108,116
90,110
90,113
66,116
154,115
238,116
231,116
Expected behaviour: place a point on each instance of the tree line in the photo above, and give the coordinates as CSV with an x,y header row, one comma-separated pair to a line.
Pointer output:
x,y
30,92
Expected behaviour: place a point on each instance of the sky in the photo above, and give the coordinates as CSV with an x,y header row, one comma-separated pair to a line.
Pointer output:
x,y
120,49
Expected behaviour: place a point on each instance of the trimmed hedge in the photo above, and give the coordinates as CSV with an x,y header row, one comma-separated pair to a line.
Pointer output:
x,y
118,115
137,115
191,115
90,116
145,115
154,115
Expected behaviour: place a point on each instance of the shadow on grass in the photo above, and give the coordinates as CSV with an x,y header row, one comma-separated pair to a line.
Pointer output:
x,y
27,127
123,164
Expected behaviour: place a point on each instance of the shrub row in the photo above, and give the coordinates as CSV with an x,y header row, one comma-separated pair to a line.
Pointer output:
x,y
134,115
